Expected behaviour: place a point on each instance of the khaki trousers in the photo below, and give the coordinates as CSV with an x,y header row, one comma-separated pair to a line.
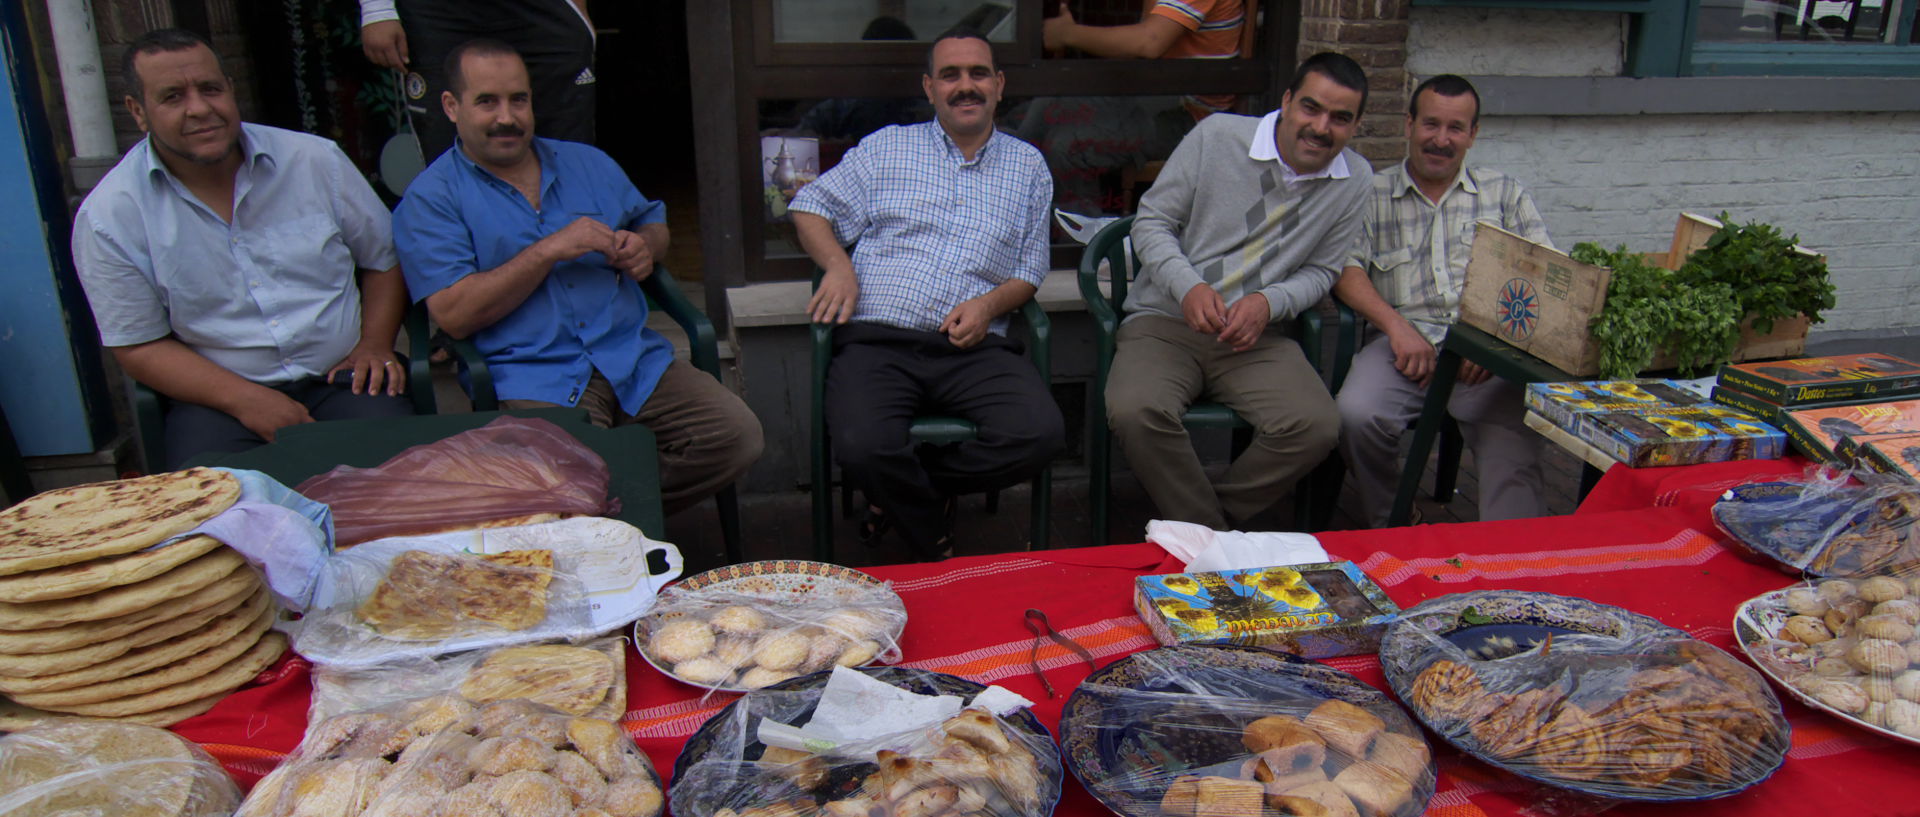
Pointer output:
x,y
1162,366
707,436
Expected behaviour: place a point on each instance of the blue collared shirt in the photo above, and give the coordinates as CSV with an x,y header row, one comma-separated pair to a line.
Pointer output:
x,y
271,296
459,219
933,228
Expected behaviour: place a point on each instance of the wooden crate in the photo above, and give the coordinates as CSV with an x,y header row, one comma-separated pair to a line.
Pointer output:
x,y
1540,300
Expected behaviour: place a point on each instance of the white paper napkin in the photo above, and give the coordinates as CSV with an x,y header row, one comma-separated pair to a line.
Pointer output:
x,y
1204,549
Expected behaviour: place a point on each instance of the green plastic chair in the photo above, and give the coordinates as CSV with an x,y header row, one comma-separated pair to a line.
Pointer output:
x,y
933,429
150,407
1312,499
663,294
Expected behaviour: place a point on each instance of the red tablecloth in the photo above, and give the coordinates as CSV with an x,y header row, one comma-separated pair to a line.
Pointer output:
x,y
966,619
1625,489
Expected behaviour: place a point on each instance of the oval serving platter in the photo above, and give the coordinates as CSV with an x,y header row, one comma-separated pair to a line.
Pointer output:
x,y
1129,744
775,580
924,682
1498,625
1755,624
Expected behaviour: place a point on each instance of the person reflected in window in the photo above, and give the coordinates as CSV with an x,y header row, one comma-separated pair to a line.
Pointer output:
x,y
1095,145
853,117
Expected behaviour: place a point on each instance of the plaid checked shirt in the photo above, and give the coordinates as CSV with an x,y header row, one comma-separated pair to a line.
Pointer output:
x,y
934,229
1416,253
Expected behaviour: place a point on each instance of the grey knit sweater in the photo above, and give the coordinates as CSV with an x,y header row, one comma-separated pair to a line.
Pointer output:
x,y
1219,217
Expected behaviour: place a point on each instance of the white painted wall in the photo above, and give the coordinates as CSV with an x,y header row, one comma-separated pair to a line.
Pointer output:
x,y
1844,182
1514,43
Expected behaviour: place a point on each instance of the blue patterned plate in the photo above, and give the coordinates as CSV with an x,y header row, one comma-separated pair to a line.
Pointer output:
x,y
1593,655
1137,723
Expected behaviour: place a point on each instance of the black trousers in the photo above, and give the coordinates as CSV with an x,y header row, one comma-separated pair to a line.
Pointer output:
x,y
882,377
193,429
550,36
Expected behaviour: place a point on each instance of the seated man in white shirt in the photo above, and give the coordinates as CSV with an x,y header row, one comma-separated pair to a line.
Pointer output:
x,y
244,271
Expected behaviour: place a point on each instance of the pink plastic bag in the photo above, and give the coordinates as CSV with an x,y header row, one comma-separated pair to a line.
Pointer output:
x,y
510,471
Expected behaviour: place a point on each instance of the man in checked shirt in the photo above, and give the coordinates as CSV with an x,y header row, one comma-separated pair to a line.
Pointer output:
x,y
948,220
1405,279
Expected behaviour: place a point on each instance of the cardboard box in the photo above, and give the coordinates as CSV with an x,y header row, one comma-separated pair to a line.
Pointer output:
x,y
1817,432
1541,301
1563,404
1534,297
1897,454
1686,435
1824,379
1312,610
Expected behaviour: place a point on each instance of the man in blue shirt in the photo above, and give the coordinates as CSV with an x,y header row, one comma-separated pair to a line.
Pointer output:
x,y
950,219
243,271
535,248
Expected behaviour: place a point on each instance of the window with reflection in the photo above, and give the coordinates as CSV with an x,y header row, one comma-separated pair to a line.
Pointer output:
x,y
1814,21
852,21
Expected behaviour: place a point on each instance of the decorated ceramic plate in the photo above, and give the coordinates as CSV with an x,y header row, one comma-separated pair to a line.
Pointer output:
x,y
748,625
1584,696
730,733
1134,728
1847,530
1755,625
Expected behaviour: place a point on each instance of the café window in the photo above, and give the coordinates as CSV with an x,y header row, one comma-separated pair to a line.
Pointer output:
x,y
853,21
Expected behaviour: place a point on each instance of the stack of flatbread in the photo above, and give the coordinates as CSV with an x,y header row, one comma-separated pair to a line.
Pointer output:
x,y
97,620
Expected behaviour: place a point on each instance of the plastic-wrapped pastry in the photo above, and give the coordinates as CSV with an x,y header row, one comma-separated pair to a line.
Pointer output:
x,y
1881,588
1890,627
761,676
1903,716
1878,655
704,670
681,639
1840,695
738,619
858,654
1906,610
1806,601
1806,630
781,651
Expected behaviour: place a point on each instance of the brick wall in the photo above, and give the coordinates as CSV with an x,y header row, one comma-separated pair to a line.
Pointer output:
x,y
1374,34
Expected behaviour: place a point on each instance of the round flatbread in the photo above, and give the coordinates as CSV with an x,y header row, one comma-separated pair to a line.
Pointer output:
x,y
185,669
253,615
95,575
119,601
73,525
573,680
15,717
59,647
226,678
94,767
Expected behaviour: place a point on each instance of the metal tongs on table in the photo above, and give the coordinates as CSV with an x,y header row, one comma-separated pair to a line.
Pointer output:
x,y
1042,629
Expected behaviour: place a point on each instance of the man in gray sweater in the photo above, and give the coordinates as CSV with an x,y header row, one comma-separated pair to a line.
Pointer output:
x,y
1248,225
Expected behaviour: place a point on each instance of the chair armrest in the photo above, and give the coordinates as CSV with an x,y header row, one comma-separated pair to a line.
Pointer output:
x,y
1040,327
661,288
1346,342
149,416
479,377
420,359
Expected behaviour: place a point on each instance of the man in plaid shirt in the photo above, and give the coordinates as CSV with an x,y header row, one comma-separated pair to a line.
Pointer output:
x,y
1405,278
948,220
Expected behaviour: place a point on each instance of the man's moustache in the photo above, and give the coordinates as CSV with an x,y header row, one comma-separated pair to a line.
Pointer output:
x,y
963,98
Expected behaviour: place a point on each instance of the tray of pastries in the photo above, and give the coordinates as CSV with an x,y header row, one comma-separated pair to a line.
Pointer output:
x,y
749,625
1825,527
1584,696
1847,647
973,763
1230,731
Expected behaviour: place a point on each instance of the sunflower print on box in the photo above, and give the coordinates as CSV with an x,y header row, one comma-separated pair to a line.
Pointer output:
x,y
1313,610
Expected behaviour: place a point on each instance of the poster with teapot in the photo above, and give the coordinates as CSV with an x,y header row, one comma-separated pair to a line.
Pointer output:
x,y
787,163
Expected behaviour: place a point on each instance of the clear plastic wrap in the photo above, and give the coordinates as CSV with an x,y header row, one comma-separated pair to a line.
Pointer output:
x,y
1584,696
444,755
87,768
586,678
505,472
975,763
1239,732
388,600
732,637
1834,523
1848,646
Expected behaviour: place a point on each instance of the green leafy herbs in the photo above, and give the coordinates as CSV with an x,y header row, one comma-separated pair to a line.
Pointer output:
x,y
1694,313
